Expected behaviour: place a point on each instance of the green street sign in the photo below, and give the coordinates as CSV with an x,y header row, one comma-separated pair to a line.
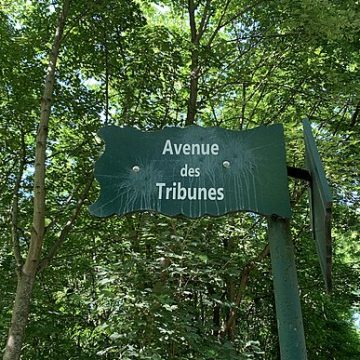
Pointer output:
x,y
320,205
192,171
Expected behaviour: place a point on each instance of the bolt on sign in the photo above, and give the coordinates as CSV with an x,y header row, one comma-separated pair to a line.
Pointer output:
x,y
192,171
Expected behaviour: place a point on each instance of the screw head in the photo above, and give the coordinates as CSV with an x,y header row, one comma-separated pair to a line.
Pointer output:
x,y
226,164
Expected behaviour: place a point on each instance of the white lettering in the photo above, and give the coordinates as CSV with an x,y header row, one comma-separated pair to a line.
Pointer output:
x,y
178,192
186,149
202,194
215,149
192,194
167,147
181,192
184,170
212,194
191,172
196,148
168,191
220,193
190,149
160,186
177,148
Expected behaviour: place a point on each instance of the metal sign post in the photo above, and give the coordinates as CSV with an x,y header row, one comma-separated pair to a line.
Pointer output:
x,y
287,301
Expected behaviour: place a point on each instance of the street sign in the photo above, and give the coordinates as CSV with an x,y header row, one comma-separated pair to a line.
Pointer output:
x,y
320,205
192,171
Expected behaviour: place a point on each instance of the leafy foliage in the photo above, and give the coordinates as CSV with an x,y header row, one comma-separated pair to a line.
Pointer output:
x,y
148,287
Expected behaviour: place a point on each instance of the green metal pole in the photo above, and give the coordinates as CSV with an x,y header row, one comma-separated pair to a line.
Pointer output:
x,y
287,301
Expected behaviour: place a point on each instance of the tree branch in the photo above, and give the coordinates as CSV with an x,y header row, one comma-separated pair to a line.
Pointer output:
x,y
243,106
191,9
38,225
230,323
194,67
355,116
15,208
67,228
107,77
221,24
204,20
61,211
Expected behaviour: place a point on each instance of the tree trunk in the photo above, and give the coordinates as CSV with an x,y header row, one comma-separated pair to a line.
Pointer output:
x,y
196,35
194,81
19,316
26,278
230,324
197,31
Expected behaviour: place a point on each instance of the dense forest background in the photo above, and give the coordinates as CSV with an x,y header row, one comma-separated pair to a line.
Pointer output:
x,y
144,286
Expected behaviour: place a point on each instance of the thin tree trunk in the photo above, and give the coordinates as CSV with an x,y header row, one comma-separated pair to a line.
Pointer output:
x,y
19,316
196,36
231,321
15,208
194,81
230,247
26,278
194,67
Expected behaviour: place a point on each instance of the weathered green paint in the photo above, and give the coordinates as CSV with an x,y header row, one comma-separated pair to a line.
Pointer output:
x,y
320,205
240,171
287,301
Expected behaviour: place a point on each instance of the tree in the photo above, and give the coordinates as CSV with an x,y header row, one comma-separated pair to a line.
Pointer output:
x,y
28,267
145,286
27,270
